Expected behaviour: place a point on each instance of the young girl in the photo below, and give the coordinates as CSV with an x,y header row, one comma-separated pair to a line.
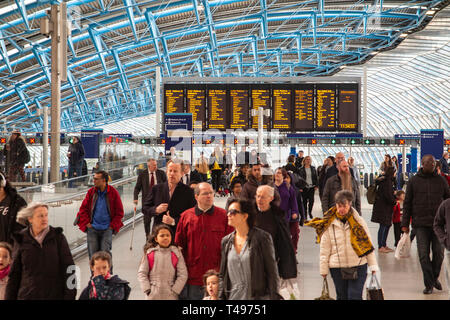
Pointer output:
x,y
211,284
397,216
102,285
162,273
5,264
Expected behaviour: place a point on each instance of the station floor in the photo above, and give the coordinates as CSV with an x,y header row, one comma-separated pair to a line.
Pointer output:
x,y
400,279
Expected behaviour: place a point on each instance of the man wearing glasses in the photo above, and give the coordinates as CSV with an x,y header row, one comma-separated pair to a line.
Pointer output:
x,y
100,214
199,234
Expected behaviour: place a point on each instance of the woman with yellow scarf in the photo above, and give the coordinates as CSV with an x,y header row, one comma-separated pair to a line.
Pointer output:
x,y
346,250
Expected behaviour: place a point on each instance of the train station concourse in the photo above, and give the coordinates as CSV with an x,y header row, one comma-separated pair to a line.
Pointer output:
x,y
280,145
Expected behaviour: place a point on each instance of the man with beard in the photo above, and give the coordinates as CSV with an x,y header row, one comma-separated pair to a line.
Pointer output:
x,y
333,170
256,179
424,194
344,180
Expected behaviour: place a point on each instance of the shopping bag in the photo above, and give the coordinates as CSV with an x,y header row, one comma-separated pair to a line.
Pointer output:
x,y
403,247
325,292
374,290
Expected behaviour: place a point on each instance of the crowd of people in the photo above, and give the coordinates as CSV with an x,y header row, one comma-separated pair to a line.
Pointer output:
x,y
197,250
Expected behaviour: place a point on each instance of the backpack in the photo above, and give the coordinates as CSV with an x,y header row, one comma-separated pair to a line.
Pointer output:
x,y
151,260
371,193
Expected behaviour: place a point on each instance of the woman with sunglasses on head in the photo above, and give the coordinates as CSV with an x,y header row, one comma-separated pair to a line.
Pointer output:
x,y
248,270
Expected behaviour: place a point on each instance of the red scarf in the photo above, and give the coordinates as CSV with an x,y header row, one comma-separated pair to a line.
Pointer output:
x,y
4,273
93,292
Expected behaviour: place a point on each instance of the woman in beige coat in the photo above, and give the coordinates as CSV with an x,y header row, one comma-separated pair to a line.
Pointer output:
x,y
162,273
345,243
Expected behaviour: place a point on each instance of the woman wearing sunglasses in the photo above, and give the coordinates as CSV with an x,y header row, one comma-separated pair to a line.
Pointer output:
x,y
248,270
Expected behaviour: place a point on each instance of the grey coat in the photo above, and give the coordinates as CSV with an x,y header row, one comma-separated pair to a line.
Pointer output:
x,y
442,223
332,186
164,282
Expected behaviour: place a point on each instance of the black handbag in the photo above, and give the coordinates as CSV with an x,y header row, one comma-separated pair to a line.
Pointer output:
x,y
374,292
349,273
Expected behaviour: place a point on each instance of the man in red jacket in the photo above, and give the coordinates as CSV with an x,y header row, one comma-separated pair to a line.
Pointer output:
x,y
100,214
199,234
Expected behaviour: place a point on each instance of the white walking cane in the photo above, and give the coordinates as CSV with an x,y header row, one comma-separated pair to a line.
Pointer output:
x,y
132,232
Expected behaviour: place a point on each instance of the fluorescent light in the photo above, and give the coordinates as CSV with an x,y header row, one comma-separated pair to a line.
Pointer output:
x,y
403,35
430,12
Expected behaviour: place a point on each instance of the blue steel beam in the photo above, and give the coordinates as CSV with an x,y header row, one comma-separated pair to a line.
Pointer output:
x,y
129,8
4,53
212,33
43,62
23,12
96,40
264,26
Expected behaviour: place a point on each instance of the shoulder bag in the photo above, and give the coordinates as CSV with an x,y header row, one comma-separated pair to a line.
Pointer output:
x,y
346,273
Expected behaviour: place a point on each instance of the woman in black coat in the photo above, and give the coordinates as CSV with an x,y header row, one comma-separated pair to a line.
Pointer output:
x,y
42,266
256,276
10,203
383,207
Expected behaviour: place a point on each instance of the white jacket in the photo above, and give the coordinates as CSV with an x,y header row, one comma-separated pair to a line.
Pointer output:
x,y
348,257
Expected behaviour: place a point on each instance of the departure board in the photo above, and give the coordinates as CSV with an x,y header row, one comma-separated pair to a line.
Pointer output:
x,y
174,100
196,104
304,107
260,98
239,108
348,107
281,116
325,107
217,109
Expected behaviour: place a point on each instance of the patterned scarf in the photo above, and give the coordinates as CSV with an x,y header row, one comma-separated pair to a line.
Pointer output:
x,y
93,291
4,273
358,236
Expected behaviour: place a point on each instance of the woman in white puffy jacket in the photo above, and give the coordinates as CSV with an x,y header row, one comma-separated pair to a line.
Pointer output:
x,y
346,250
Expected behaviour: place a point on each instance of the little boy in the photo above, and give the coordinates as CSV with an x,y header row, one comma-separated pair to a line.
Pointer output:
x,y
102,285
397,216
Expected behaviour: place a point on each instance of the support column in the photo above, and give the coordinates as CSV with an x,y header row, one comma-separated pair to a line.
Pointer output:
x,y
45,147
158,101
260,129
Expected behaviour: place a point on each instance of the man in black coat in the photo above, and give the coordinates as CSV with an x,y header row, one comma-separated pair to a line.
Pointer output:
x,y
270,218
189,175
76,158
168,200
424,194
332,171
145,182
17,155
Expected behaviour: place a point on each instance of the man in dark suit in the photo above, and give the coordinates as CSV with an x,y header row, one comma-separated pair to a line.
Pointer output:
x,y
168,200
189,175
145,182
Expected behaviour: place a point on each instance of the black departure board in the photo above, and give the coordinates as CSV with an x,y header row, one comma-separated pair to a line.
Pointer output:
x,y
303,107
174,99
239,108
348,107
196,104
260,98
294,107
325,107
217,109
282,108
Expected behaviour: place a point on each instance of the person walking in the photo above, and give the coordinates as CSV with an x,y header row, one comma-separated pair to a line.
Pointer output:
x,y
199,234
254,180
248,269
309,174
345,245
145,182
424,194
441,224
344,180
10,204
383,207
322,173
17,155
100,215
168,200
444,161
202,167
76,157
41,260
216,167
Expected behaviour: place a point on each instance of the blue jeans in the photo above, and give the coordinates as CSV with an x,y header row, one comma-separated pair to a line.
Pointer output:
x,y
349,289
76,168
192,292
99,240
383,232
426,240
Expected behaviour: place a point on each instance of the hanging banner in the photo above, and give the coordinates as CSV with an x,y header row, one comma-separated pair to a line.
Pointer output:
x,y
90,138
431,142
178,128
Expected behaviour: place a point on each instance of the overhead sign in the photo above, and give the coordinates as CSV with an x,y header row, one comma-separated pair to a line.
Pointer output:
x,y
431,142
90,138
178,141
324,135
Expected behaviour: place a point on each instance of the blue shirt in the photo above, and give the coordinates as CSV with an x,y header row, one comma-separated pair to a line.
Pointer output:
x,y
101,218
